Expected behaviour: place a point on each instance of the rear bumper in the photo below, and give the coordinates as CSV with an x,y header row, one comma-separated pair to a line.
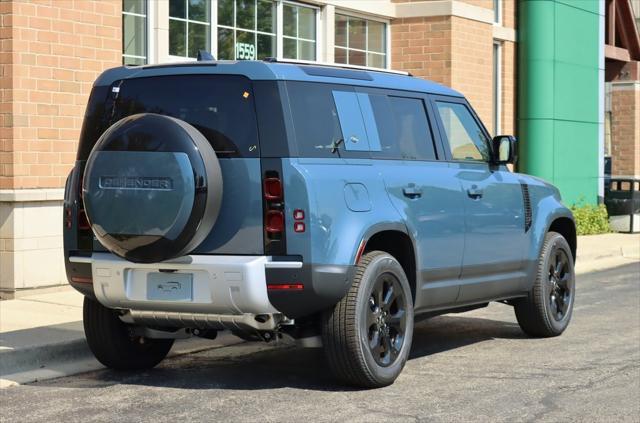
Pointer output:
x,y
221,285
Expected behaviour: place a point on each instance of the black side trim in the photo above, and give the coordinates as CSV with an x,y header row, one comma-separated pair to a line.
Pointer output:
x,y
324,286
526,199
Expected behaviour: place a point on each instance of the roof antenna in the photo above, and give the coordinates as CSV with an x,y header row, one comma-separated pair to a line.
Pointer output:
x,y
205,55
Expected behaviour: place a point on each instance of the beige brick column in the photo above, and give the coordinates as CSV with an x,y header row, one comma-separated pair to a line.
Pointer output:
x,y
625,128
52,51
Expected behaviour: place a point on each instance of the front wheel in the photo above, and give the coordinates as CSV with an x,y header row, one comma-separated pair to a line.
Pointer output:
x,y
114,345
547,310
367,335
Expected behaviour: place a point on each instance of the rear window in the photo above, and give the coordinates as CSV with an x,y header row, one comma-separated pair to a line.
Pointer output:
x,y
220,107
315,118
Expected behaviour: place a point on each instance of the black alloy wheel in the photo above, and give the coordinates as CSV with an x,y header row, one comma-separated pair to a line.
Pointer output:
x,y
559,277
386,321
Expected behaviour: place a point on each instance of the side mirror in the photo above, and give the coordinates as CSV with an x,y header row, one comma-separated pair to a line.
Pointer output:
x,y
503,150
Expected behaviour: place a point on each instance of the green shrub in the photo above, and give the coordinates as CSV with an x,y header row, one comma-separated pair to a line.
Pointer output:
x,y
590,219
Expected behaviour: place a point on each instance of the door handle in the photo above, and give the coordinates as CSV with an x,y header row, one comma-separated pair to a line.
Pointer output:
x,y
411,191
475,192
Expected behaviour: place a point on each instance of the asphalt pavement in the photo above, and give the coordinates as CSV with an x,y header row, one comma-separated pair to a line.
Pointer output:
x,y
476,366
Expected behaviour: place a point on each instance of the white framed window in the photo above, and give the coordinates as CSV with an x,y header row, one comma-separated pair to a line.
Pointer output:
x,y
189,27
360,41
246,29
497,88
299,32
135,32
497,11
257,29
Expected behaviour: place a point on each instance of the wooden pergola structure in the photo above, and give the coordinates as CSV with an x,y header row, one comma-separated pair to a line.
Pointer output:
x,y
622,43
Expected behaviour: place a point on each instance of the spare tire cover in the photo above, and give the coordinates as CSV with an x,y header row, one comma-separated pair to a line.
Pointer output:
x,y
152,188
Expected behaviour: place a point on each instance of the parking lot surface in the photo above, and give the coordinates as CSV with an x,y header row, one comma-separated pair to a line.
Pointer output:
x,y
476,366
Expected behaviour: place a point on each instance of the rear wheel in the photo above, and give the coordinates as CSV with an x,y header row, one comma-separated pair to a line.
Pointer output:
x,y
113,343
547,310
367,335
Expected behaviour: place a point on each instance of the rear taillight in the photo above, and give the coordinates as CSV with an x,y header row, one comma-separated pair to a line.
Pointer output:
x,y
285,286
273,206
272,189
274,222
68,221
298,224
83,222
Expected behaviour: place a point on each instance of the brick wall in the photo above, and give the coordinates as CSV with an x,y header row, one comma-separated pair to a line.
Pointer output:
x,y
509,10
52,51
458,52
6,91
422,46
472,57
625,128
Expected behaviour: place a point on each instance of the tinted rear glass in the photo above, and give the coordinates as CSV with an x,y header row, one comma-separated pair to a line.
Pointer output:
x,y
403,127
220,107
315,118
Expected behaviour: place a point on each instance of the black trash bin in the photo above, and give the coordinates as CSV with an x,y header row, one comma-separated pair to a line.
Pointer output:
x,y
622,199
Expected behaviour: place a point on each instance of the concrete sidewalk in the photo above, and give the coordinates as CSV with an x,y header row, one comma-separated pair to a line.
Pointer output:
x,y
41,336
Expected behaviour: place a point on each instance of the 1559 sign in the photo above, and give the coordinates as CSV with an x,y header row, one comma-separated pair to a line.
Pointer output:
x,y
245,51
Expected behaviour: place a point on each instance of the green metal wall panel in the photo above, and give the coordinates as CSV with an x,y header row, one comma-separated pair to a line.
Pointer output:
x,y
558,110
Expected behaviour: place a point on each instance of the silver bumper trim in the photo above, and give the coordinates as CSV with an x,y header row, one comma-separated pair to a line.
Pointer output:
x,y
230,290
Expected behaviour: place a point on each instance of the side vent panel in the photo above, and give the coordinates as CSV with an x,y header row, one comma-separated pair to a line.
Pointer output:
x,y
527,206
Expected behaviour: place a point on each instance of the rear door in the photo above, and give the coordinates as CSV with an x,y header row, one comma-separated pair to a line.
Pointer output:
x,y
422,188
222,108
494,209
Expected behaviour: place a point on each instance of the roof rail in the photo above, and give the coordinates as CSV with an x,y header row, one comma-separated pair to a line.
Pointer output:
x,y
334,65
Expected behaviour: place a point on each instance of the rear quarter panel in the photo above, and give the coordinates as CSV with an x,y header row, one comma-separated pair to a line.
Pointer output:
x,y
322,187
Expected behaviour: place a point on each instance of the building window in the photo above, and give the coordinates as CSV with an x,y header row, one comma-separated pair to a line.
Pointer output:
x,y
246,29
497,11
299,32
189,27
134,32
360,42
497,87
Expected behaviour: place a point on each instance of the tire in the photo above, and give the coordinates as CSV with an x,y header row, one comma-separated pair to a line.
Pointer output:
x,y
547,310
352,324
112,344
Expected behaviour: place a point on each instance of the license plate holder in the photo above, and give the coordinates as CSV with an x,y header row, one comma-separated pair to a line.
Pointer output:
x,y
169,286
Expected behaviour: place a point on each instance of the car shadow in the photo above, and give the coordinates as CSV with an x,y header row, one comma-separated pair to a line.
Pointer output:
x,y
247,366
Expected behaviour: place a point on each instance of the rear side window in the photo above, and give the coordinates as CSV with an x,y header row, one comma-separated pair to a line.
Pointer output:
x,y
315,118
403,128
336,121
221,107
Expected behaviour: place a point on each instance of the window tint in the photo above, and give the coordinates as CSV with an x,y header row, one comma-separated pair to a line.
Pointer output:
x,y
220,107
466,139
403,128
315,119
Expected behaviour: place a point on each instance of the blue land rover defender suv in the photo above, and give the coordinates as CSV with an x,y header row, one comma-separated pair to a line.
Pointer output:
x,y
333,205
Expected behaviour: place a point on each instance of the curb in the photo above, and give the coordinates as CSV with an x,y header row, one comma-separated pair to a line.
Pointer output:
x,y
52,361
